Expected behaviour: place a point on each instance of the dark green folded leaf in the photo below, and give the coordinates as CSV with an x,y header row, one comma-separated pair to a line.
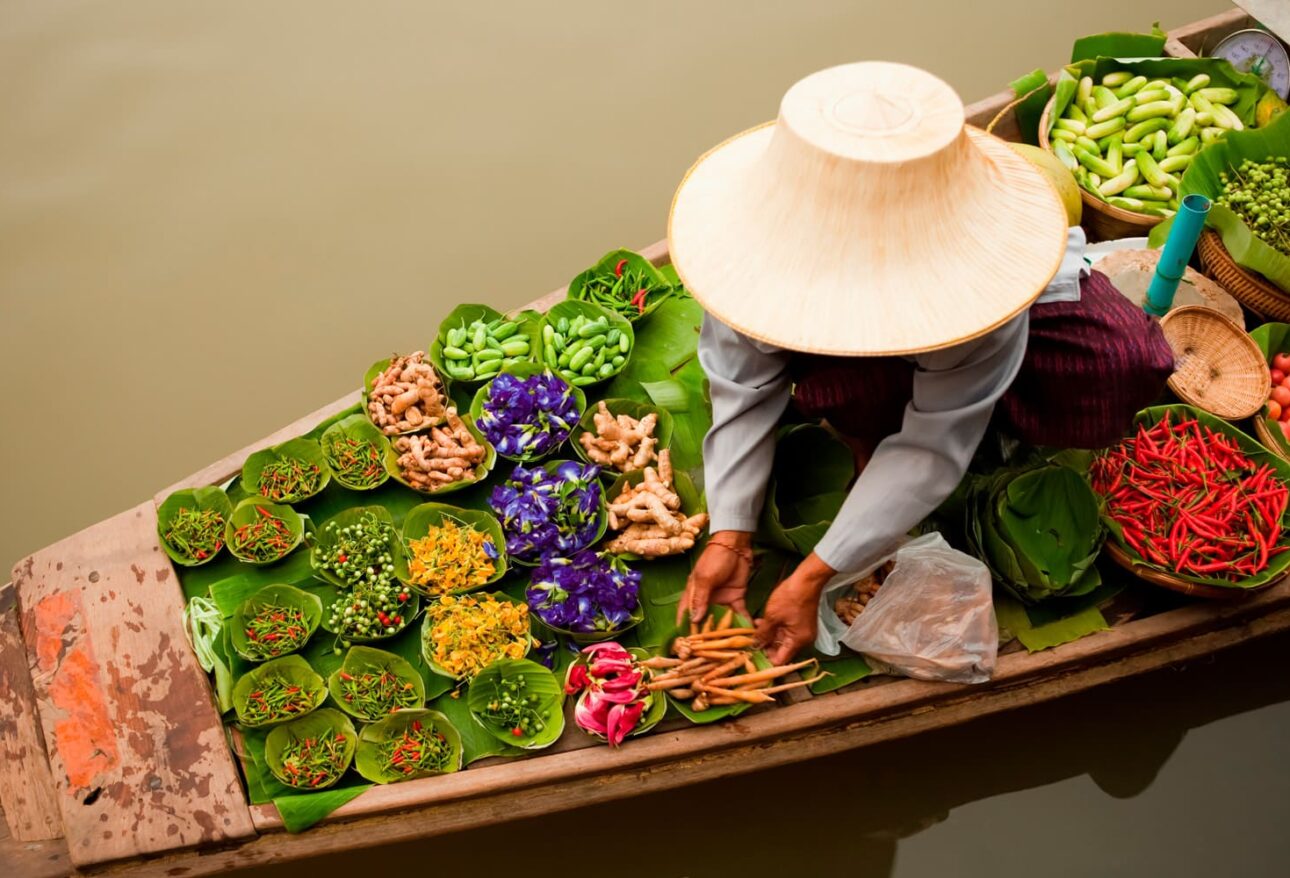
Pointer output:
x,y
418,522
306,451
360,660
358,428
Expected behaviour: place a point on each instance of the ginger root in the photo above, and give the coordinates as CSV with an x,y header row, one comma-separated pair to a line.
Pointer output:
x,y
408,395
853,601
621,443
439,457
649,519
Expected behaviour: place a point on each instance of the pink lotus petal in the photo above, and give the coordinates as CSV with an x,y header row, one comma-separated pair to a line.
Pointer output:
x,y
587,717
632,716
610,649
627,680
616,732
620,696
577,679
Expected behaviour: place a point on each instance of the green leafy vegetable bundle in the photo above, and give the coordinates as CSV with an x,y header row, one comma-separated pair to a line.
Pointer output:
x,y
1038,529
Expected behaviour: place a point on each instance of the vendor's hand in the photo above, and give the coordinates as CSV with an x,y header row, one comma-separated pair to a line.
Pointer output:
x,y
720,576
789,622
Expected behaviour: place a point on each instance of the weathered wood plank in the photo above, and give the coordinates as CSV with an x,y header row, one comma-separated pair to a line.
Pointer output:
x,y
33,859
26,786
136,747
1201,36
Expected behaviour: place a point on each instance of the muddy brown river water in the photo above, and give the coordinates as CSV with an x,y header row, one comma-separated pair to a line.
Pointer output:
x,y
214,216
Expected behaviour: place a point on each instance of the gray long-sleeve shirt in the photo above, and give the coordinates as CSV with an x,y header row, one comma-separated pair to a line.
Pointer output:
x,y
910,473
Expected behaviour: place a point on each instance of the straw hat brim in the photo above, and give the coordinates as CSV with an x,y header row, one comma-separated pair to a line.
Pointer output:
x,y
831,276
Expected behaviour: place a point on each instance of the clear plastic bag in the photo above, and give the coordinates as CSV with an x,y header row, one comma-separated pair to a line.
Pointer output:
x,y
933,617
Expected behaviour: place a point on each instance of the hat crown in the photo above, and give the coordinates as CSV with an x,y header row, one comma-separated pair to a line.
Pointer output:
x,y
873,111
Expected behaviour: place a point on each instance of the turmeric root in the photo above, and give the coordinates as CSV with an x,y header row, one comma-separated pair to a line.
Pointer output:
x,y
406,396
428,461
621,443
648,517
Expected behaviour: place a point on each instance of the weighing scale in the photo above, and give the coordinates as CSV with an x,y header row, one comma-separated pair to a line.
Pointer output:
x,y
1260,53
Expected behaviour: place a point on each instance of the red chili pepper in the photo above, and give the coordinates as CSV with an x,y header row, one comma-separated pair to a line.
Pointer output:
x,y
618,269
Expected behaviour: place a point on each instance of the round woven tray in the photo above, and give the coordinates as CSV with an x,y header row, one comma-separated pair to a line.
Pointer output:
x,y
1102,221
1218,367
1248,288
1265,437
1174,583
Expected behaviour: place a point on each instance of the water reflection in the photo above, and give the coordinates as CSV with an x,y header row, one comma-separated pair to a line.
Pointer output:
x,y
851,814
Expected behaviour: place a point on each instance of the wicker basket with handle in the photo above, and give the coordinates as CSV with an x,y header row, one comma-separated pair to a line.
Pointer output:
x,y
1102,221
1251,290
1218,367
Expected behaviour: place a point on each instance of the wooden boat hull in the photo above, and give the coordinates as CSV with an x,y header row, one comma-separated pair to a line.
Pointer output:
x,y
113,757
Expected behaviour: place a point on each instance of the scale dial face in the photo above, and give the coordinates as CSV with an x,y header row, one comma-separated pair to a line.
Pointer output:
x,y
1258,52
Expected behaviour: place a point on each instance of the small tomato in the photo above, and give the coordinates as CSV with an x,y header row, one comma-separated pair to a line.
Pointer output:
x,y
1277,377
1282,362
1281,396
1274,410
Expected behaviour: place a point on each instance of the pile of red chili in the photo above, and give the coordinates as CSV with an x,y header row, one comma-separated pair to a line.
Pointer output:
x,y
1189,501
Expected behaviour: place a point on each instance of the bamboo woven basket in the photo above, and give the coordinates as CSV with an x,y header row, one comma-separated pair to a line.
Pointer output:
x,y
1250,289
1218,367
1102,221
1174,583
1265,437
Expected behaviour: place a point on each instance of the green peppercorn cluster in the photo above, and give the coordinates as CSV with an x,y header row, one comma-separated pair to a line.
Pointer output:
x,y
514,709
360,555
1259,192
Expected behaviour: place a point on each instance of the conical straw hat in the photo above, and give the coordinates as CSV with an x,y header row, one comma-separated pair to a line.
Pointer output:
x,y
869,219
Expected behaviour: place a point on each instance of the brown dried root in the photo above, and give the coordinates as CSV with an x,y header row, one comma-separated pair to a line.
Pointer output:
x,y
439,457
649,519
622,443
408,395
852,603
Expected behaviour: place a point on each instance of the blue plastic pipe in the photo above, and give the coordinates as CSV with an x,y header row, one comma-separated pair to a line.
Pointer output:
x,y
1183,235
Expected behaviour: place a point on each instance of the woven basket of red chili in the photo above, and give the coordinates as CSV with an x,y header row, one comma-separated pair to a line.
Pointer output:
x,y
1194,504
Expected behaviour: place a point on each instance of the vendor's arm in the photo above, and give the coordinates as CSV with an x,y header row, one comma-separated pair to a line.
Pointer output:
x,y
910,474
749,386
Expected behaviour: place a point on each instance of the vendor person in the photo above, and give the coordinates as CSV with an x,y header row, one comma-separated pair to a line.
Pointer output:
x,y
873,261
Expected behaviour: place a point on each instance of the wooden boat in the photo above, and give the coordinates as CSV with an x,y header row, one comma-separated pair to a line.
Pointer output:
x,y
113,757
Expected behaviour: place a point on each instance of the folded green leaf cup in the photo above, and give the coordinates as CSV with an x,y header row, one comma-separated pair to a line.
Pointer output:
x,y
633,409
476,475
355,451
261,696
518,695
186,521
420,520
290,614
682,485
311,753
522,371
720,711
464,364
385,755
324,540
371,683
269,472
571,309
275,542
659,288
654,711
